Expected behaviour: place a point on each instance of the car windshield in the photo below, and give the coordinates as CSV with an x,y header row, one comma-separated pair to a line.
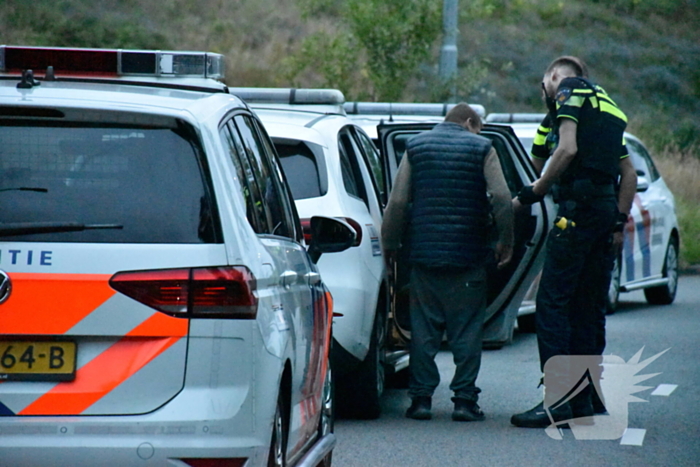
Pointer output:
x,y
147,180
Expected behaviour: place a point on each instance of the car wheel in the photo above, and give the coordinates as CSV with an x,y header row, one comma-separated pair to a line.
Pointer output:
x,y
278,443
326,423
363,388
614,289
665,294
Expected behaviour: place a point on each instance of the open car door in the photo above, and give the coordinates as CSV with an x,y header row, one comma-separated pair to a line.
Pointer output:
x,y
506,287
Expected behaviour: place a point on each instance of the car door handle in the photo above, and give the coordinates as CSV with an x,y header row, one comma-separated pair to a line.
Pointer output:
x,y
313,278
288,278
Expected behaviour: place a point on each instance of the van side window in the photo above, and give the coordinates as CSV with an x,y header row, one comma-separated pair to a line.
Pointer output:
x,y
232,140
271,204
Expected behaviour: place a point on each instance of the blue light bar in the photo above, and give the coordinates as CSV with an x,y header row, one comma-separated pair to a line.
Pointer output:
x,y
105,63
289,96
405,108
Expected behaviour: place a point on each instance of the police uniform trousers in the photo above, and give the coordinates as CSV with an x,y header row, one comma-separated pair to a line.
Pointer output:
x,y
451,303
571,300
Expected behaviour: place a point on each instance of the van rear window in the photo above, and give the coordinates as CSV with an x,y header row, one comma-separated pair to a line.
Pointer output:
x,y
147,180
304,168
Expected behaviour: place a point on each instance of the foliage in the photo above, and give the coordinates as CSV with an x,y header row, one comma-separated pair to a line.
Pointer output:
x,y
70,24
383,39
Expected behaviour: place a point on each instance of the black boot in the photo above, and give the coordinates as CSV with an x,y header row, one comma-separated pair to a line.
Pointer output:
x,y
420,408
537,417
466,411
582,408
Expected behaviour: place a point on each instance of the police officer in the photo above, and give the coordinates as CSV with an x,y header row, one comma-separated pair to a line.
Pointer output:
x,y
593,181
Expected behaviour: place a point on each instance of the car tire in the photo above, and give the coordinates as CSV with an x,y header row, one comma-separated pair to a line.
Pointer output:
x,y
666,294
363,388
613,297
327,421
277,456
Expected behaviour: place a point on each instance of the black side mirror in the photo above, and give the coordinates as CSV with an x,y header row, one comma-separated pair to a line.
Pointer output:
x,y
329,235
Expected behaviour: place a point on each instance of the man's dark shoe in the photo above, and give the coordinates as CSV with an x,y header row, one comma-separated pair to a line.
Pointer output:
x,y
538,418
466,411
420,408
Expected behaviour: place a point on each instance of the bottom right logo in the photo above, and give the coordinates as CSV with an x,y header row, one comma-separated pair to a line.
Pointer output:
x,y
607,381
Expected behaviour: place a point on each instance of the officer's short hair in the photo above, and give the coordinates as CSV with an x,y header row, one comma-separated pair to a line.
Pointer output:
x,y
574,64
460,113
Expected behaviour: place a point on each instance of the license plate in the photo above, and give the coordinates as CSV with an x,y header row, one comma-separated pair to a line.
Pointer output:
x,y
37,360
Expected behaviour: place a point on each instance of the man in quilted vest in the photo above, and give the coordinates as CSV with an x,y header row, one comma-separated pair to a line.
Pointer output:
x,y
440,207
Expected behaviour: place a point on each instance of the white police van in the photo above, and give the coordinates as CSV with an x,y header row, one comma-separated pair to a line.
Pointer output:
x,y
649,257
158,305
334,169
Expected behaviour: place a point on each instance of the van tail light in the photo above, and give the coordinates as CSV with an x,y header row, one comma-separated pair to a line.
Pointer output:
x,y
306,228
212,292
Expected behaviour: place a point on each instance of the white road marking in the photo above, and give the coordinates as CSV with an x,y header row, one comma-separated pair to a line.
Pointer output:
x,y
633,437
664,389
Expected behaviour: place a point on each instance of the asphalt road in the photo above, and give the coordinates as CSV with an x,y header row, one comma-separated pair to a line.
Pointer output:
x,y
665,431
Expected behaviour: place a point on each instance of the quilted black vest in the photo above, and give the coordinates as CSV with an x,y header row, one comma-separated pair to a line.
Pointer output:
x,y
449,215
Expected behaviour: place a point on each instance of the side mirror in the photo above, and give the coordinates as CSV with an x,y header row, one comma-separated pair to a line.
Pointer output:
x,y
642,184
329,235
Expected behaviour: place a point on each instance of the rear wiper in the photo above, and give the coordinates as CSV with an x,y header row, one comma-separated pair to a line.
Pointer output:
x,y
26,188
28,228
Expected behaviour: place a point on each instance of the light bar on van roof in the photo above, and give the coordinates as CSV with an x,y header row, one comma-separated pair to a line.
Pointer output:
x,y
106,63
404,108
289,96
515,117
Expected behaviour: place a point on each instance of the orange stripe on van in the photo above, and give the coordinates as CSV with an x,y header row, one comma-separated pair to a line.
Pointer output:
x,y
161,325
100,376
51,303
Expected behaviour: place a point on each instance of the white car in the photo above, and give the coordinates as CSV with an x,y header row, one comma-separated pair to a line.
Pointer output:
x,y
649,257
334,170
392,124
158,305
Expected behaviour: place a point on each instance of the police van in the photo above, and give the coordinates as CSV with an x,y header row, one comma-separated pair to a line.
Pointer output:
x,y
159,305
334,169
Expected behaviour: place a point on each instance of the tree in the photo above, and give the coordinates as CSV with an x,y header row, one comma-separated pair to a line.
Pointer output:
x,y
379,43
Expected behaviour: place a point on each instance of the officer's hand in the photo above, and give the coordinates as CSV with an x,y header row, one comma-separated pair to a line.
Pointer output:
x,y
529,194
504,253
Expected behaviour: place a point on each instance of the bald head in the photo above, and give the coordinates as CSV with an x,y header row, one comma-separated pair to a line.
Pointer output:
x,y
463,114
